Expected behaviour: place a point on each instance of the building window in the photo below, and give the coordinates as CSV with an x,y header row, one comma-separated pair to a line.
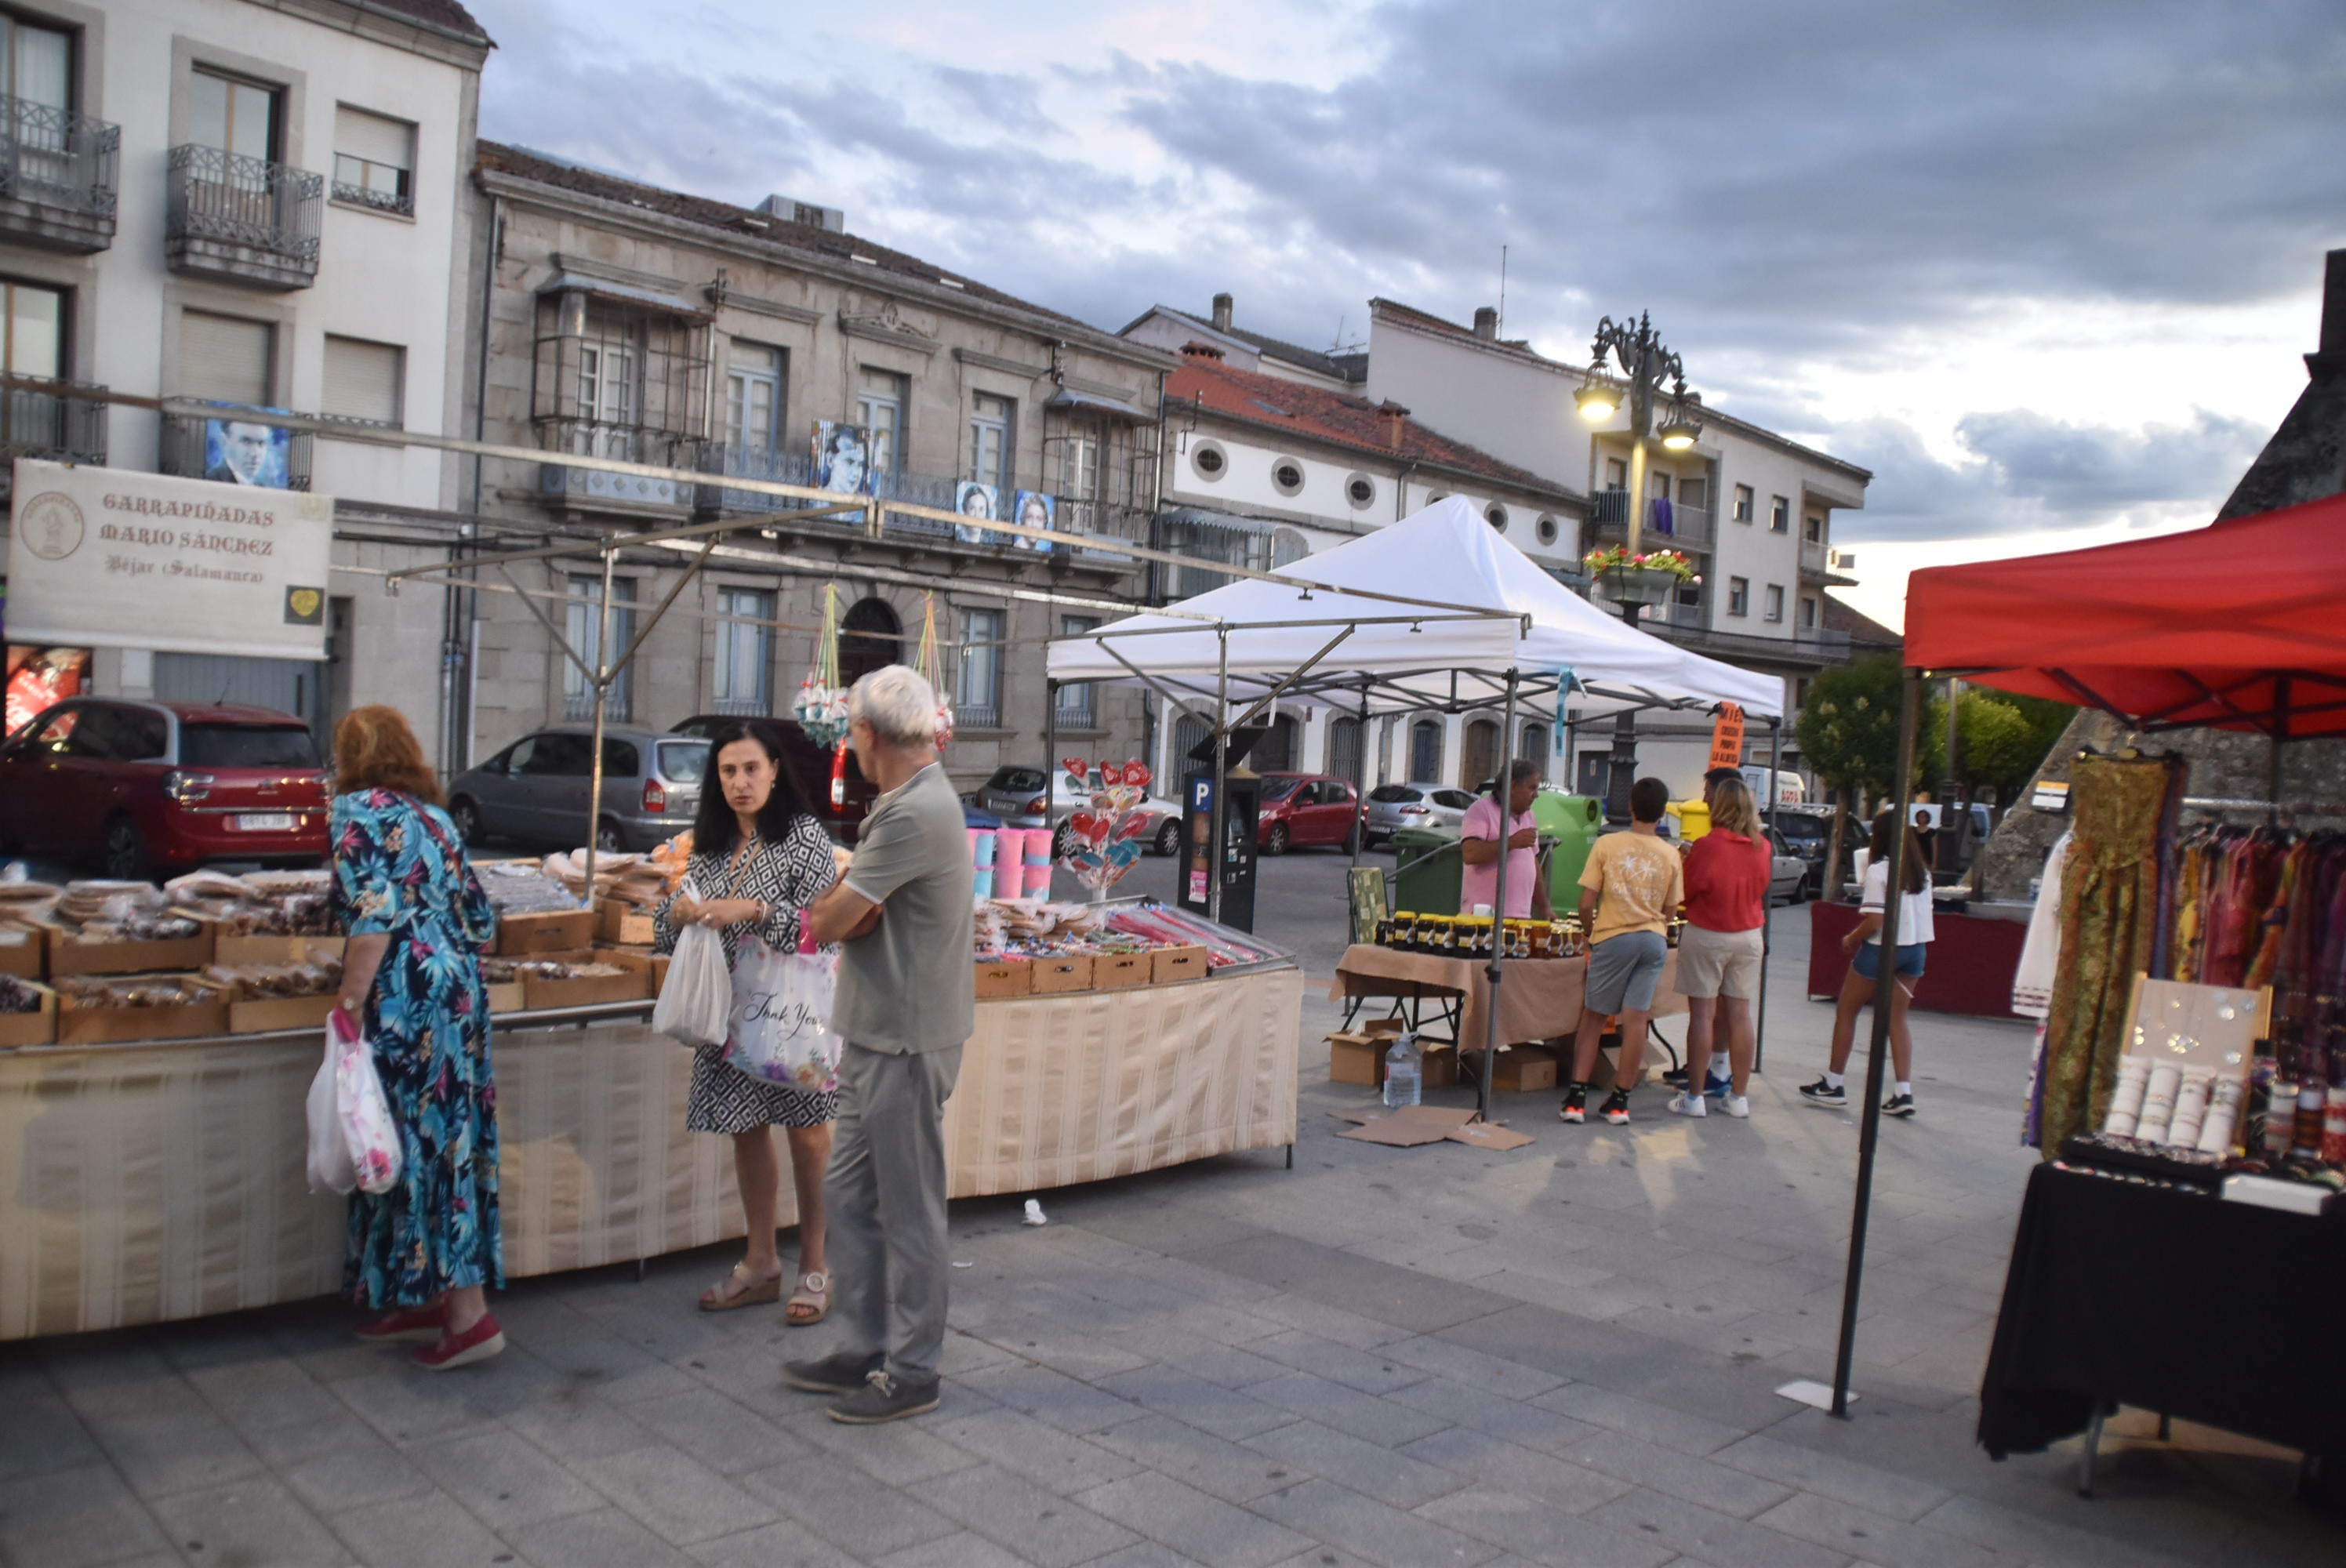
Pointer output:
x,y
1286,476
39,65
1739,596
1079,478
363,380
989,440
1426,751
1210,461
1689,589
226,358
1812,528
753,399
879,408
1076,710
582,629
1743,499
374,159
234,116
1695,492
1547,529
1809,610
1617,474
1361,491
1497,516
744,651
977,699
1780,515
619,381
1775,602
35,341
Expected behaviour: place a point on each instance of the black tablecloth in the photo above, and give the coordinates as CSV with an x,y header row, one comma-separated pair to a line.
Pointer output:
x,y
2221,1313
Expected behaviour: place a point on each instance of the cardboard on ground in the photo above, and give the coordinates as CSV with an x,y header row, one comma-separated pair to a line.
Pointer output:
x,y
1412,1125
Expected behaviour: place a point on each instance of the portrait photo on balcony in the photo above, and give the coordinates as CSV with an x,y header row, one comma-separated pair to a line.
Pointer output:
x,y
972,499
1035,510
843,458
239,451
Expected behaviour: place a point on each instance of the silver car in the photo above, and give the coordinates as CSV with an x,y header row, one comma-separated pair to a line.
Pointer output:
x,y
1015,794
537,790
1392,807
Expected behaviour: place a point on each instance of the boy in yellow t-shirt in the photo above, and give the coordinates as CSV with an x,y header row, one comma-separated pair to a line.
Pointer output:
x,y
1631,886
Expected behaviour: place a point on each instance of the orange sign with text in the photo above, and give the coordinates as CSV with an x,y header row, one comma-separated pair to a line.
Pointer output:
x,y
1726,738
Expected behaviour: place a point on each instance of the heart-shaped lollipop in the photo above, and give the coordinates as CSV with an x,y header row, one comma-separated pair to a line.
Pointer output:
x,y
1076,768
1137,774
1110,774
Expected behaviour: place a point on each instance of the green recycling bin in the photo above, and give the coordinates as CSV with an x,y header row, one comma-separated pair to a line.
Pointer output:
x,y
1573,821
1426,871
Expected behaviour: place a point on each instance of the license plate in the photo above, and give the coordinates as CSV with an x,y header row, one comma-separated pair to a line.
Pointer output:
x,y
265,821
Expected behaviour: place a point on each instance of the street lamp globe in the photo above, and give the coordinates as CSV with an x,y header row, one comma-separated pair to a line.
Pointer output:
x,y
1598,403
1680,433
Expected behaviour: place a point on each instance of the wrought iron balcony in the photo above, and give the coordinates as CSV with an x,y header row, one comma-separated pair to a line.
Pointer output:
x,y
977,716
243,220
570,485
57,173
64,426
741,707
193,449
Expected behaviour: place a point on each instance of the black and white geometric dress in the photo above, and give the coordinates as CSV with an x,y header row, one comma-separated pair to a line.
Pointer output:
x,y
785,877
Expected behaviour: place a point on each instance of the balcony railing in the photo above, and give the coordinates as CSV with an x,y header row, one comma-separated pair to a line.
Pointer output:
x,y
57,172
557,480
977,714
243,218
61,426
1687,525
741,707
382,187
1076,709
1815,556
194,449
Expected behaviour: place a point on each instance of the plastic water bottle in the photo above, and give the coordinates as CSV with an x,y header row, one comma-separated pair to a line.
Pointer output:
x,y
1402,1078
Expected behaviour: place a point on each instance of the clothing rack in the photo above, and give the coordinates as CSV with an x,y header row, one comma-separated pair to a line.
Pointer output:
x,y
2226,803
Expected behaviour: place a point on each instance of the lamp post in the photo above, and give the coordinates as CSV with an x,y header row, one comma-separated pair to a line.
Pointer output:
x,y
1646,364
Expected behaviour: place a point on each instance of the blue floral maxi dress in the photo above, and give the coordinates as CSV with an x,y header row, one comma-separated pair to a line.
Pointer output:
x,y
399,871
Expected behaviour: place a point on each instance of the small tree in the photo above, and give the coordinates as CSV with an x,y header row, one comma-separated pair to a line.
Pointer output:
x,y
1848,735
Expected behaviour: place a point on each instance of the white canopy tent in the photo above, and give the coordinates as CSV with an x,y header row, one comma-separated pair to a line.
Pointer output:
x,y
1437,611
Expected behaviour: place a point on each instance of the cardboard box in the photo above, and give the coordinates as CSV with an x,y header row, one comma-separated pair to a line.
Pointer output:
x,y
30,1028
633,983
130,1026
1167,964
1059,976
1122,971
271,1014
506,997
1438,1068
1005,978
1523,1069
1355,1056
544,935
68,956
275,949
630,925
25,952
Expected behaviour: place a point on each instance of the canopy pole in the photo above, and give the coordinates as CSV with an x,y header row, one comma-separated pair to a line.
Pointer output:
x,y
1767,925
1503,793
2279,734
1870,1121
1050,772
1222,813
605,670
1361,782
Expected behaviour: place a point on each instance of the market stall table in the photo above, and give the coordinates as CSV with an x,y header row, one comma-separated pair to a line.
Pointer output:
x,y
2121,1293
1539,999
1972,962
160,1181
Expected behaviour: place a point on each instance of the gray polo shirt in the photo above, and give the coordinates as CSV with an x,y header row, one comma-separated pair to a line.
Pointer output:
x,y
910,985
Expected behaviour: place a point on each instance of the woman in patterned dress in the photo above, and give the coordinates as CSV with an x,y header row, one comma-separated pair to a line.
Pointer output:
x,y
416,920
758,859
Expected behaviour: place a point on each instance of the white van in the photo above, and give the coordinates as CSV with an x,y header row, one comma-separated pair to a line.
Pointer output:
x,y
1790,788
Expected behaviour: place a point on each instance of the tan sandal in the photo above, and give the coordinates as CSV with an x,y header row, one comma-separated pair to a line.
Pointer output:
x,y
811,1303
741,1288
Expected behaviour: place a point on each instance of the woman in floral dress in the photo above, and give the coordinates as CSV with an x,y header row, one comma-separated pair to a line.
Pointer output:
x,y
416,920
758,859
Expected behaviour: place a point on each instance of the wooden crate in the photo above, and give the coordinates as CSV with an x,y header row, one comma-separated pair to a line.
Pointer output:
x,y
271,1014
544,935
1121,971
630,925
632,985
1059,976
25,952
1005,978
1167,964
68,956
232,950
30,1028
506,996
128,1025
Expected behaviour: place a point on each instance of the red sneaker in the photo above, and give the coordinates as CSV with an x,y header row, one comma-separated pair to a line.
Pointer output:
x,y
420,1325
477,1343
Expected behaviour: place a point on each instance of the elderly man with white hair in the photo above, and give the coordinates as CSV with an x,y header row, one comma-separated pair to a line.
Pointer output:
x,y
906,1004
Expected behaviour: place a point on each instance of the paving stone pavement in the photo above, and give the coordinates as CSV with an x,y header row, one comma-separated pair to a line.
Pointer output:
x,y
1406,1357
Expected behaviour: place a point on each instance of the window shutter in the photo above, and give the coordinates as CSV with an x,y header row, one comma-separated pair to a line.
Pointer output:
x,y
362,381
226,358
358,134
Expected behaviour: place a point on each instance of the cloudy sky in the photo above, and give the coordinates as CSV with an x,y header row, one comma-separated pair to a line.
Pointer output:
x,y
2046,269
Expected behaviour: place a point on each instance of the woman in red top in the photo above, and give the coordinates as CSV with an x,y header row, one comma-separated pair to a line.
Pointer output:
x,y
1719,956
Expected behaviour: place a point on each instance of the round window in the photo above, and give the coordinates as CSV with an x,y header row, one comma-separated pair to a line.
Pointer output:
x,y
1209,460
1497,516
1361,491
1287,474
1546,529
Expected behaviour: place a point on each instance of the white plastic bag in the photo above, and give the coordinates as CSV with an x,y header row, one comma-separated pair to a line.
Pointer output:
x,y
696,1000
330,1153
360,1107
781,1017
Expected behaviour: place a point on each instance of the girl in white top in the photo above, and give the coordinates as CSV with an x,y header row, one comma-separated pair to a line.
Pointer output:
x,y
1861,985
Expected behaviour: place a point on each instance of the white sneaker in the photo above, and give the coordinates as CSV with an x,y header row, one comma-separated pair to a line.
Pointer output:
x,y
1737,1106
1685,1104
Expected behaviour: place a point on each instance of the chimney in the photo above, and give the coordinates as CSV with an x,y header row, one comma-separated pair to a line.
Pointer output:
x,y
2330,357
1222,303
1486,323
1389,417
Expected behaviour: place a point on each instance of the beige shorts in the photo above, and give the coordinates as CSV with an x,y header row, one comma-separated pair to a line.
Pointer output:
x,y
1719,962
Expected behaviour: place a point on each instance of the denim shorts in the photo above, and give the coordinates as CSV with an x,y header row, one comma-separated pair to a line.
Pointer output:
x,y
1910,959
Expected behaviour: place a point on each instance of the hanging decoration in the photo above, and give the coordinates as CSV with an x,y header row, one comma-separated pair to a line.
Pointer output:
x,y
931,668
821,706
1101,844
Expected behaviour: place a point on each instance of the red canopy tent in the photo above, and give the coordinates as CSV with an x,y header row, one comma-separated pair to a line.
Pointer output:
x,y
2239,626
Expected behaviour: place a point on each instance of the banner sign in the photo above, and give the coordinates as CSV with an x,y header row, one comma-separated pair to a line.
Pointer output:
x,y
107,558
1727,737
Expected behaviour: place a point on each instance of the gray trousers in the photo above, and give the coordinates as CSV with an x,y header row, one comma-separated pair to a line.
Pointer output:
x,y
884,1202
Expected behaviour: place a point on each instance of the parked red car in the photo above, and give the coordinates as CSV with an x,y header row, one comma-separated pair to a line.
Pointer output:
x,y
1305,808
150,787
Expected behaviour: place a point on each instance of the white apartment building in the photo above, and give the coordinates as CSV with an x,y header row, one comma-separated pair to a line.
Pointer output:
x,y
1262,469
260,203
1754,509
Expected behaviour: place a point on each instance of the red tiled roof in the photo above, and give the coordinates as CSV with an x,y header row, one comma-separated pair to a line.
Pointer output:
x,y
1862,629
541,170
1319,413
444,14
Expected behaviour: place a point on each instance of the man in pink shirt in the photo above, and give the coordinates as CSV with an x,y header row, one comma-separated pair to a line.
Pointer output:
x,y
1478,846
